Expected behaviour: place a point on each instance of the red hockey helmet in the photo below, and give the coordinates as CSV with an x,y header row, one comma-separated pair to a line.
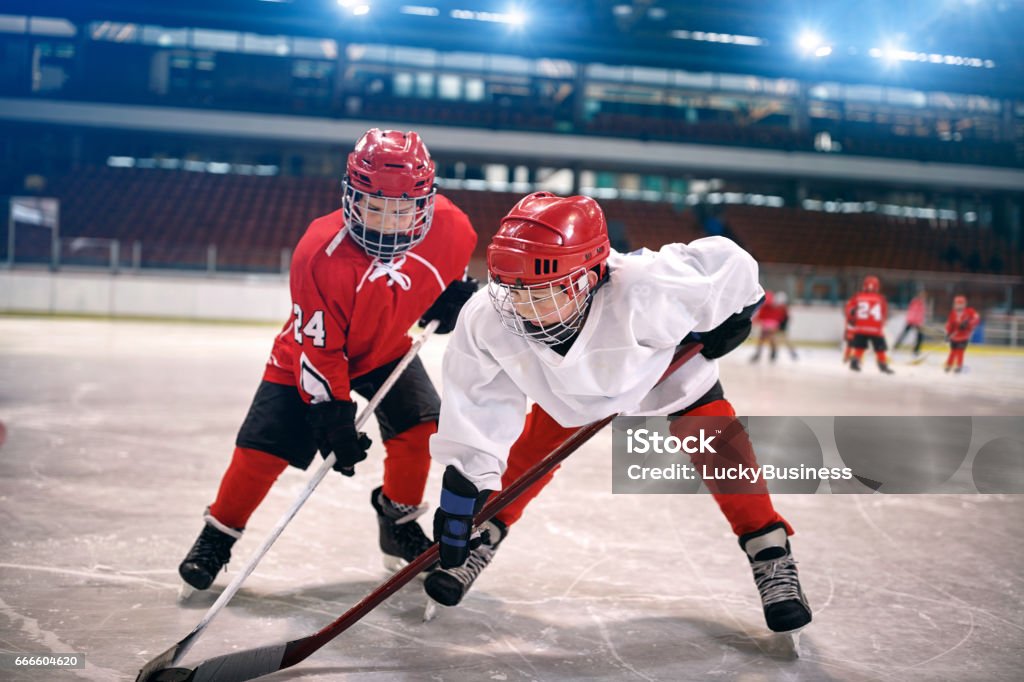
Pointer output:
x,y
539,264
871,284
388,192
959,302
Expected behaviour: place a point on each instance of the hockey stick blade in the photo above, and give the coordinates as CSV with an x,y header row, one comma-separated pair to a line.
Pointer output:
x,y
253,663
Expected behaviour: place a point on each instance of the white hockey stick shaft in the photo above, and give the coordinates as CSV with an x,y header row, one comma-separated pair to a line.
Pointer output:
x,y
329,461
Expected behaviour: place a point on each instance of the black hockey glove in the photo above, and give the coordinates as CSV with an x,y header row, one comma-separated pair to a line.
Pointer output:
x,y
453,520
728,335
447,306
334,430
964,325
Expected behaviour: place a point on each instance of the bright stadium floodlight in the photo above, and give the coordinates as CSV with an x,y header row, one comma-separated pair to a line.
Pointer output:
x,y
516,17
809,41
812,44
891,55
356,8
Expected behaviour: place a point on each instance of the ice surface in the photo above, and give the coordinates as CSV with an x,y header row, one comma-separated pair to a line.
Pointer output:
x,y
118,433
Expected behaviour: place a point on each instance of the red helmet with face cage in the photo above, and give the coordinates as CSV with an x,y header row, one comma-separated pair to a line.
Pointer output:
x,y
545,237
539,265
388,192
871,284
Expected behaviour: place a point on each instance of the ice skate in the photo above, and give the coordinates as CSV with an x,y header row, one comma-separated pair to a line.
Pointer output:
x,y
401,537
855,364
448,586
884,368
786,610
210,553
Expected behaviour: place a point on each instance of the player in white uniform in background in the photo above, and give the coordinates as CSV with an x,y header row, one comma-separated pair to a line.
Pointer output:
x,y
586,332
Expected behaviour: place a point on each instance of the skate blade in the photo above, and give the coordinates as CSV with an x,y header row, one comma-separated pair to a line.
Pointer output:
x,y
394,564
790,642
185,591
430,610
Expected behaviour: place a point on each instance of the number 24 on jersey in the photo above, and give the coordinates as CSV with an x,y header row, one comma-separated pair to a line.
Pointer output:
x,y
314,328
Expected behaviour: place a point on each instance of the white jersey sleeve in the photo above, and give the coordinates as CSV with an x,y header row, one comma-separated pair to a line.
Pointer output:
x,y
482,409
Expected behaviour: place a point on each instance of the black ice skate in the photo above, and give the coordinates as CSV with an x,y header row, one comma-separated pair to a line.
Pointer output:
x,y
401,537
785,607
884,368
447,586
209,554
855,364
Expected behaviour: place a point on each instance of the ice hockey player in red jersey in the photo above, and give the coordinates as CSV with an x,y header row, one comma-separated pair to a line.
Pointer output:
x,y
770,317
866,313
782,301
361,277
960,325
585,332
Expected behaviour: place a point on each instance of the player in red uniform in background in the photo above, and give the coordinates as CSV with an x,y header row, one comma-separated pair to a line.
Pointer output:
x,y
866,313
782,301
770,317
959,326
394,254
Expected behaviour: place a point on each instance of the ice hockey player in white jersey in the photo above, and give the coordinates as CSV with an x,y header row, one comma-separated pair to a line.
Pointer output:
x,y
586,332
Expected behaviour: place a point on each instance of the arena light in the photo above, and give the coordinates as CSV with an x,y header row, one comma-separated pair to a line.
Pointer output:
x,y
513,17
808,41
516,17
892,55
356,8
710,37
812,44
419,10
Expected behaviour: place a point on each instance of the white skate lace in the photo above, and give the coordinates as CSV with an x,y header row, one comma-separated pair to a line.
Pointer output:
x,y
777,580
475,563
402,513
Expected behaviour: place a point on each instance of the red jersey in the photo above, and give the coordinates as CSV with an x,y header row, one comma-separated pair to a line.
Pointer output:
x,y
866,313
351,313
771,316
960,326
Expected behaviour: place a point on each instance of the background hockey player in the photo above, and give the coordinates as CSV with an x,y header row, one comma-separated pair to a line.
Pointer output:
x,y
782,301
769,318
960,324
587,332
360,278
915,322
866,313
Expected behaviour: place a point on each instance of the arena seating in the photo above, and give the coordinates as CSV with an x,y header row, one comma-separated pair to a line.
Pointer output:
x,y
177,214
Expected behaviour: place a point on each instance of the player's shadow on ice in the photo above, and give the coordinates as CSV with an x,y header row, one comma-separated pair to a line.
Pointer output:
x,y
334,598
460,643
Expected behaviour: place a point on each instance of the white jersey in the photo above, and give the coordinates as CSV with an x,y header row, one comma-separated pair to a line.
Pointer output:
x,y
650,302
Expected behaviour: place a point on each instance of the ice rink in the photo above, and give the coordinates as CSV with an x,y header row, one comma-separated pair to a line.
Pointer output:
x,y
118,432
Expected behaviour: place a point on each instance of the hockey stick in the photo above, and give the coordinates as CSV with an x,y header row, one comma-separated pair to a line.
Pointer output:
x,y
176,652
253,663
